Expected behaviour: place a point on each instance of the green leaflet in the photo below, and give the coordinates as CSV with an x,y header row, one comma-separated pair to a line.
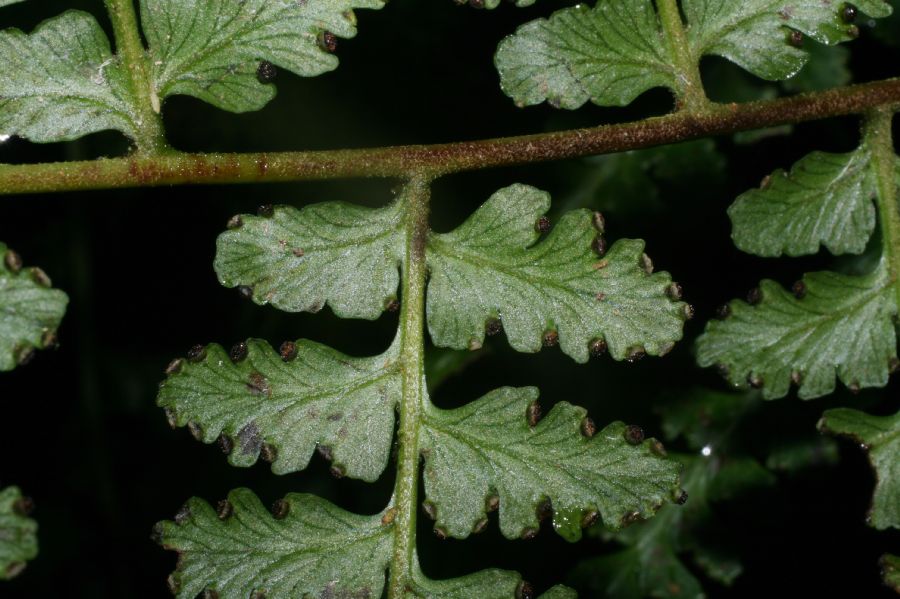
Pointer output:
x,y
62,81
284,406
298,260
880,436
489,584
311,549
754,33
890,571
212,50
18,533
488,449
30,311
842,326
304,547
492,268
826,199
616,51
8,2
609,54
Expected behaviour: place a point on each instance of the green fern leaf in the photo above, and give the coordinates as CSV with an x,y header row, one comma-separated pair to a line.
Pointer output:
x,y
490,584
298,260
30,311
755,34
62,81
257,402
494,447
838,326
213,50
18,533
612,53
826,199
8,2
880,436
609,54
303,547
491,268
306,547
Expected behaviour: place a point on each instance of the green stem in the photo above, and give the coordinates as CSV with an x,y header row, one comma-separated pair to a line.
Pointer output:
x,y
416,194
443,159
691,95
884,160
150,134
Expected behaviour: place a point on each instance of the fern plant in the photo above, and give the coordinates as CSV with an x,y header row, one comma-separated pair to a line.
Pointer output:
x,y
507,269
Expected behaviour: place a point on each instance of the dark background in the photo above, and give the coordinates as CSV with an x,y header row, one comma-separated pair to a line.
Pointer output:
x,y
82,435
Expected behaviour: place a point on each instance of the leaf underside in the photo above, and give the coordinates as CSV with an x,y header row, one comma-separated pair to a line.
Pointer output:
x,y
62,81
488,448
880,436
315,548
18,534
304,547
284,410
826,199
608,54
490,584
212,50
754,33
333,253
30,311
842,327
493,268
615,51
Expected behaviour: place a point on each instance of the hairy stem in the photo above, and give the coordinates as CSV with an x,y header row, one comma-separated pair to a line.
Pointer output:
x,y
151,138
437,160
880,141
691,94
416,195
